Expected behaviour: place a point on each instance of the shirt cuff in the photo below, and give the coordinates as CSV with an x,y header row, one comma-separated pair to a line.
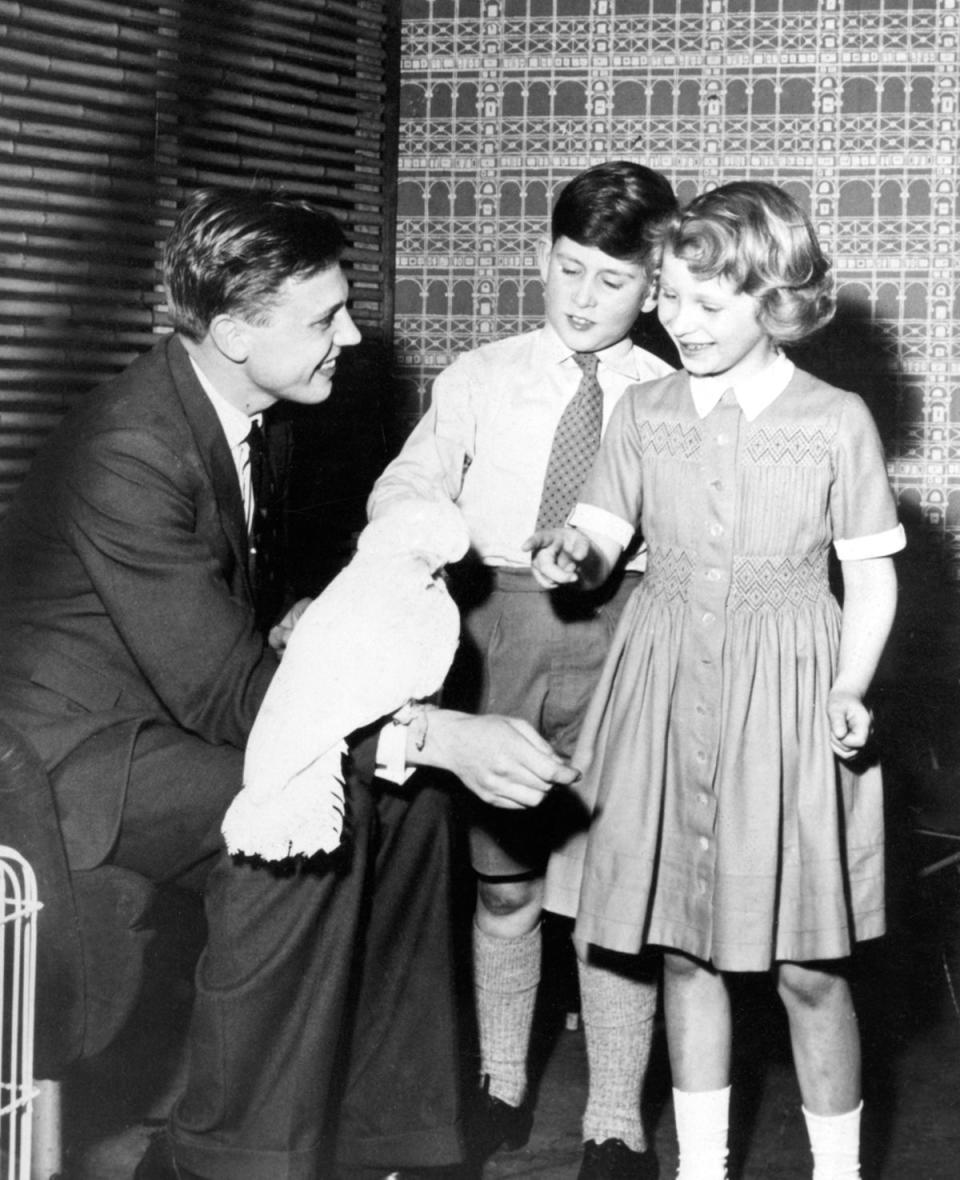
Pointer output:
x,y
876,545
597,520
391,760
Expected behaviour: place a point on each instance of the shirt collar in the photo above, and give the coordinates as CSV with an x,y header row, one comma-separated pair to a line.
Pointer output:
x,y
236,424
620,356
753,394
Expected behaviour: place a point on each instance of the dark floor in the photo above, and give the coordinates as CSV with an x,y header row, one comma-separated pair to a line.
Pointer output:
x,y
909,1001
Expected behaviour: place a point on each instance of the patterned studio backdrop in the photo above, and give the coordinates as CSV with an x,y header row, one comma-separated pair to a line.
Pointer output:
x,y
852,106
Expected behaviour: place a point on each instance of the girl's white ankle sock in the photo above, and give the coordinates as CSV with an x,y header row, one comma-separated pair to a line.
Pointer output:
x,y
835,1143
702,1118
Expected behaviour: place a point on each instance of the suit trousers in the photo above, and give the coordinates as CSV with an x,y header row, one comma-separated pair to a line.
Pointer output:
x,y
324,1027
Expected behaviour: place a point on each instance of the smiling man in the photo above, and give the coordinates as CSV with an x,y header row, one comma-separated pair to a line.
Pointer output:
x,y
323,1033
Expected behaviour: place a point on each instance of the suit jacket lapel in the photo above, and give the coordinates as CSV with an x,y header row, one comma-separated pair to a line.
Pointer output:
x,y
213,448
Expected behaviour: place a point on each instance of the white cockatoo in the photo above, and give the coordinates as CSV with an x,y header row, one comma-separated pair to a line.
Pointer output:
x,y
382,634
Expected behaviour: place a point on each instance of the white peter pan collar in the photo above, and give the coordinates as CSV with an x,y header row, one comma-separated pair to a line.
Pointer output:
x,y
753,394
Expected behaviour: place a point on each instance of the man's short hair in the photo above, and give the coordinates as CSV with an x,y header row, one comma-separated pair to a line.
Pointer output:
x,y
232,251
613,206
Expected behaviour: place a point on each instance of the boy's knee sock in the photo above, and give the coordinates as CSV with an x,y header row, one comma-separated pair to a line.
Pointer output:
x,y
835,1143
506,975
618,1015
702,1119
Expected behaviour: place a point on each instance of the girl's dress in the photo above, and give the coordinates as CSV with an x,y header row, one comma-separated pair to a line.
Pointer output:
x,y
722,823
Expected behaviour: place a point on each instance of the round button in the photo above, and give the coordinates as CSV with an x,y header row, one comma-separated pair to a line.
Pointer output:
x,y
704,843
715,530
703,798
723,439
713,575
708,617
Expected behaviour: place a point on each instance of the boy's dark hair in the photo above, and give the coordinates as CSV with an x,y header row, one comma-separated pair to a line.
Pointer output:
x,y
754,234
233,251
613,206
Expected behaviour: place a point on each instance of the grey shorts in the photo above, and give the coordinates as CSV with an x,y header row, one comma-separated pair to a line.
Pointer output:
x,y
537,655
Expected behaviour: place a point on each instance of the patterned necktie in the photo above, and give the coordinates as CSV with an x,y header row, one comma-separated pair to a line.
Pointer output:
x,y
266,549
574,447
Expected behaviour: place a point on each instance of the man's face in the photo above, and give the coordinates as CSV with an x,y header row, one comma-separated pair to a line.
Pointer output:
x,y
293,354
591,299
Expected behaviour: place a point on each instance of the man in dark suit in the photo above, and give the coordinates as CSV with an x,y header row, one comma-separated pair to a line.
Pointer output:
x,y
131,657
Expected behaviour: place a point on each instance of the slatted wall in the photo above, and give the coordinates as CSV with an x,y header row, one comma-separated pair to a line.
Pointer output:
x,y
109,111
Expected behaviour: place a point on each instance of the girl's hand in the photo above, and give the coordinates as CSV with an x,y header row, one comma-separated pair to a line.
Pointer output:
x,y
558,555
850,723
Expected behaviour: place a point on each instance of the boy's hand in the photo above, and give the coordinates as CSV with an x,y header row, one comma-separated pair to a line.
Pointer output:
x,y
558,555
850,723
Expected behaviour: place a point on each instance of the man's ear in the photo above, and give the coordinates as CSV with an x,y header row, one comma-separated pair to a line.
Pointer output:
x,y
544,247
229,334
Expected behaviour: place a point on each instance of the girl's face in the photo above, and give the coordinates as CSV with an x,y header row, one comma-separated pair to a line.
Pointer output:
x,y
714,326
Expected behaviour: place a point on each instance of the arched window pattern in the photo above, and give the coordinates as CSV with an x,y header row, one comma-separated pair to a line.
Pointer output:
x,y
465,100
629,98
438,200
859,96
441,102
514,101
464,199
796,97
410,199
538,100
408,297
508,299
413,101
461,303
571,99
511,199
763,101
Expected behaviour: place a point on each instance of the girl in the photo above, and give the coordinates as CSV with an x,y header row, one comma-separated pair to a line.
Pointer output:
x,y
732,823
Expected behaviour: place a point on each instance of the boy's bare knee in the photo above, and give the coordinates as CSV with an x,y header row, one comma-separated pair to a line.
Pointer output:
x,y
503,899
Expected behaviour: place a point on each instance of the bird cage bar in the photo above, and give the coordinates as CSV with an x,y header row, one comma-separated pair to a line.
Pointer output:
x,y
19,907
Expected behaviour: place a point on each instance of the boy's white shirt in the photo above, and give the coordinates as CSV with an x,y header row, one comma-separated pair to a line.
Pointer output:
x,y
485,440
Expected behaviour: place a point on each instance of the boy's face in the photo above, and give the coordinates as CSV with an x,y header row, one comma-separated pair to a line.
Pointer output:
x,y
714,326
591,299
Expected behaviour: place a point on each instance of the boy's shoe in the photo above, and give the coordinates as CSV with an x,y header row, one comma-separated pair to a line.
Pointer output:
x,y
613,1160
495,1125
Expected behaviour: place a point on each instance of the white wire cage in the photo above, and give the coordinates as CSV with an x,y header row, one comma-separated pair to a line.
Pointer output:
x,y
19,907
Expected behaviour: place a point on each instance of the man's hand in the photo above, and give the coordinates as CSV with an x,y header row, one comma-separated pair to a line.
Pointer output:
x,y
558,555
503,761
280,634
850,723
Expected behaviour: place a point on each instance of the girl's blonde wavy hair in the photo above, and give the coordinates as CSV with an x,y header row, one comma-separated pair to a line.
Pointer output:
x,y
754,234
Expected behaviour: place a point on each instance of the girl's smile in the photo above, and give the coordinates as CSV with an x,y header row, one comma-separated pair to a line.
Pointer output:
x,y
715,327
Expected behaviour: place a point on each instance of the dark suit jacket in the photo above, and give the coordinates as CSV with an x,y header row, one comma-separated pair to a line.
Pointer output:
x,y
124,592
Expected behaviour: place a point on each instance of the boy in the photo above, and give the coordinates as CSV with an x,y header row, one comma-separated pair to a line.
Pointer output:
x,y
510,435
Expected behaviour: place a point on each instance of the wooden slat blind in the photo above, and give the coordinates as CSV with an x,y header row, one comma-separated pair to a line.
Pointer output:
x,y
109,111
